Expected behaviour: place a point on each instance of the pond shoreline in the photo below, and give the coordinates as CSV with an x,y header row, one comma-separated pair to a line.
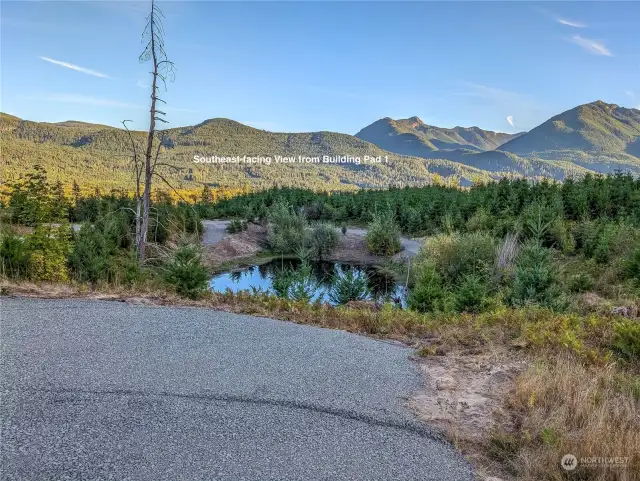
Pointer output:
x,y
318,280
225,251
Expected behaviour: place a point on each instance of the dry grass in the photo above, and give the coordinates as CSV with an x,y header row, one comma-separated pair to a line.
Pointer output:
x,y
588,411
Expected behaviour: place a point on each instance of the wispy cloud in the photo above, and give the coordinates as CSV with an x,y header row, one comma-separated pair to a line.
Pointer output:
x,y
510,120
86,100
142,85
77,68
594,47
571,23
560,19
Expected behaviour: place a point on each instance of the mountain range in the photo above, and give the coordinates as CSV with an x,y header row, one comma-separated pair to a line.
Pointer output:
x,y
596,137
414,137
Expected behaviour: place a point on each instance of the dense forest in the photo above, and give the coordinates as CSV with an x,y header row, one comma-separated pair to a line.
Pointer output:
x,y
428,210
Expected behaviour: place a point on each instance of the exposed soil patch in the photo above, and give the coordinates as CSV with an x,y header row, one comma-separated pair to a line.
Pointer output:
x,y
353,248
236,246
464,397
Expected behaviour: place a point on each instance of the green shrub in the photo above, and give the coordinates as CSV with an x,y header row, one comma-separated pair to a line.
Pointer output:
x,y
457,255
90,255
349,286
191,221
481,220
472,294
116,229
543,223
321,241
304,286
383,235
14,256
428,293
413,222
604,240
296,284
282,280
632,266
185,272
587,235
505,225
237,225
48,249
536,278
627,339
125,269
35,201
559,236
581,282
285,232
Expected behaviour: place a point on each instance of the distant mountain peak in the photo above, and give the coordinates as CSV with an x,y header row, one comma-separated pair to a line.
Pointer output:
x,y
412,136
596,127
601,103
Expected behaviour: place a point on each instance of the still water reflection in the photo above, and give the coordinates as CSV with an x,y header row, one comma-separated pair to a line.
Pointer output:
x,y
261,277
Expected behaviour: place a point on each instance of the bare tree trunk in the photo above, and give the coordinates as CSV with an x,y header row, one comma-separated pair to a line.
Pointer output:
x,y
146,196
162,68
138,221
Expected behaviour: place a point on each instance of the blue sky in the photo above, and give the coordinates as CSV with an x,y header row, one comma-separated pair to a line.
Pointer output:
x,y
307,66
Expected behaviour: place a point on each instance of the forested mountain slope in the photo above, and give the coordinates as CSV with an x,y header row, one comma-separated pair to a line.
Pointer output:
x,y
596,137
100,156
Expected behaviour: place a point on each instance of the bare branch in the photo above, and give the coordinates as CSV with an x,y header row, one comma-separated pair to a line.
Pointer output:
x,y
160,142
171,166
179,195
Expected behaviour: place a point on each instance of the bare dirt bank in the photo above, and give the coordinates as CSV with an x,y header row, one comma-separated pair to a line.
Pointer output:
x,y
222,247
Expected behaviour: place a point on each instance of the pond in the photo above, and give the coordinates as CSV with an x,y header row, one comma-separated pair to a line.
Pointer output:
x,y
381,284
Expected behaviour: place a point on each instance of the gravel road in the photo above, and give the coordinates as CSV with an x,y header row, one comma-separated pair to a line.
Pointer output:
x,y
95,390
214,231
